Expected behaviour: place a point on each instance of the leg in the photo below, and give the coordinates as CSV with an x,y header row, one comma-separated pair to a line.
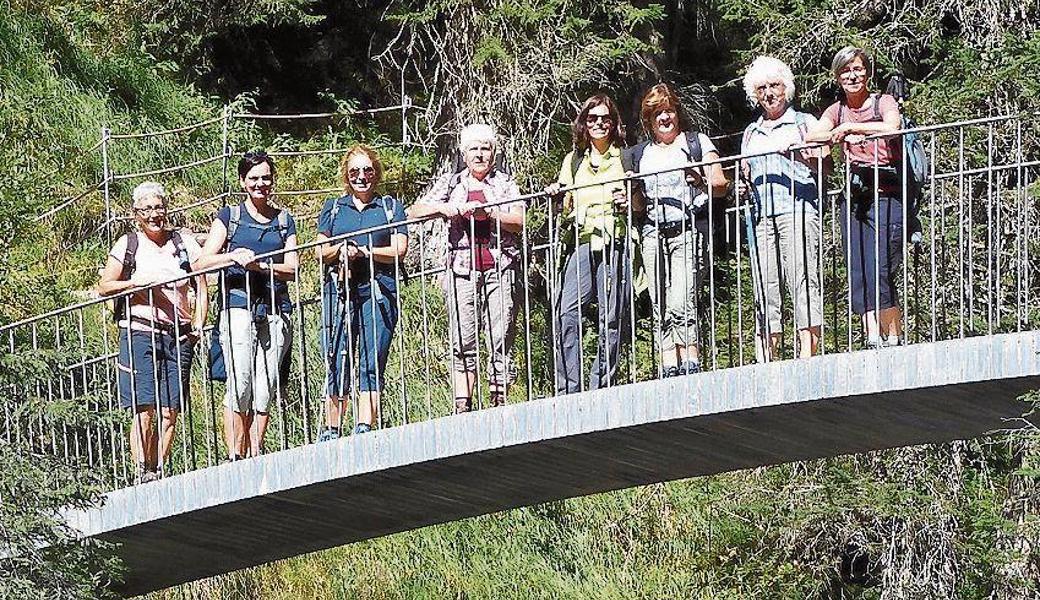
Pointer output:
x,y
890,226
801,238
685,268
169,429
499,293
237,335
459,293
613,278
654,259
273,339
142,437
377,322
765,270
575,290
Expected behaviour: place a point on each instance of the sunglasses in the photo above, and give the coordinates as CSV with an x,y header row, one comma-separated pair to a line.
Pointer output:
x,y
593,119
355,172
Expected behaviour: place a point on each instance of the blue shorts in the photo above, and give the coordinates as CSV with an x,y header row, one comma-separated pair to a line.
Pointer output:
x,y
366,334
160,371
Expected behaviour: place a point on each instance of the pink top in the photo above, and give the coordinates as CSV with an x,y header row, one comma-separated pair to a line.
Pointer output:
x,y
171,301
889,150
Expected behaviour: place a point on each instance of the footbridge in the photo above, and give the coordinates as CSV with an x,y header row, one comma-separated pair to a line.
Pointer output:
x,y
323,495
951,365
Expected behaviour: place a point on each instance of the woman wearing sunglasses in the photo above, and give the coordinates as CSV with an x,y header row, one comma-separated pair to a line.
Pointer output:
x,y
596,214
359,296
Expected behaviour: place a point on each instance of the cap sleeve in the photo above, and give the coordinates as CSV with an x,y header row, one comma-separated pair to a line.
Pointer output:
x,y
118,250
832,113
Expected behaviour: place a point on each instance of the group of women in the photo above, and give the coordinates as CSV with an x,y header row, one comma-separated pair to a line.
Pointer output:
x,y
631,217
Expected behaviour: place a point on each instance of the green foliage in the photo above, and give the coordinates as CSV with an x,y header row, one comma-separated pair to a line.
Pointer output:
x,y
40,557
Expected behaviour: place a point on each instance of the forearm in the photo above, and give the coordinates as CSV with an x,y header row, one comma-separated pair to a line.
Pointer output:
x,y
424,209
388,254
511,221
201,304
113,287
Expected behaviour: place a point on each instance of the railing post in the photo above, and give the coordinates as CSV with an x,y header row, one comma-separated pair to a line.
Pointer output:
x,y
226,152
106,178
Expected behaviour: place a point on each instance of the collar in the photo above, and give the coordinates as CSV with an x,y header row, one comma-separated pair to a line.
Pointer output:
x,y
347,201
788,118
612,152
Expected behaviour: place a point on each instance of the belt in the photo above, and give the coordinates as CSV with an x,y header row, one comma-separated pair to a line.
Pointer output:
x,y
163,327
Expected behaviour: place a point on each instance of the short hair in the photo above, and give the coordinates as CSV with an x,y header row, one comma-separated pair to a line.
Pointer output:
x,y
847,55
580,131
251,159
149,189
344,168
658,98
477,132
763,69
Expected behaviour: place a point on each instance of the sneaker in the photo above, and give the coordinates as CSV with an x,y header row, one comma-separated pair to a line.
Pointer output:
x,y
672,371
873,343
362,428
892,341
149,476
690,367
498,400
329,434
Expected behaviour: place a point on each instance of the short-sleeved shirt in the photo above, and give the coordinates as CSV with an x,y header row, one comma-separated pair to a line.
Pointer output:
x,y
348,218
454,189
261,238
170,304
773,176
888,149
593,207
668,194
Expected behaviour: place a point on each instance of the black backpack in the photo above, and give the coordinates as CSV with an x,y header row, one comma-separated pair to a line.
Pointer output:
x,y
130,265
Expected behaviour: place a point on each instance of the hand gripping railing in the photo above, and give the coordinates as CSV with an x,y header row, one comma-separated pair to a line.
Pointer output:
x,y
714,301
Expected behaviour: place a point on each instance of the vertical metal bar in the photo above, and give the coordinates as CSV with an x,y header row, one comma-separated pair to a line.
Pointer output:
x,y
931,244
990,237
525,245
1020,232
427,388
304,381
960,229
106,178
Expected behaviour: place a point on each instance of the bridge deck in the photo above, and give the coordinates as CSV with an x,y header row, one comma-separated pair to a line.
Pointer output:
x,y
247,513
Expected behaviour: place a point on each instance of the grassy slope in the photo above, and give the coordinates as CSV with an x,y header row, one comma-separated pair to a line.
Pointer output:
x,y
765,533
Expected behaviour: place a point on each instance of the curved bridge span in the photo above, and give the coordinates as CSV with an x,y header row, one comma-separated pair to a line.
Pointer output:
x,y
208,522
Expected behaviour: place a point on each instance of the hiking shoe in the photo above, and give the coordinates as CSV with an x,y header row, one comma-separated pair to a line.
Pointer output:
x,y
362,428
498,400
672,371
150,476
329,434
463,405
690,367
893,341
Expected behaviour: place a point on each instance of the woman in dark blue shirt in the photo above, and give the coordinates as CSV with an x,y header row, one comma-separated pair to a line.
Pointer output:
x,y
360,291
255,333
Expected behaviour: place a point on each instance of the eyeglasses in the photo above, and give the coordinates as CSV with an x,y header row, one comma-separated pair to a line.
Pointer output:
x,y
775,86
591,119
144,211
852,72
355,172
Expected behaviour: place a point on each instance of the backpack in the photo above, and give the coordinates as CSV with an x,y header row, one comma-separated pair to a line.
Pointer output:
x,y
389,204
217,368
918,164
119,311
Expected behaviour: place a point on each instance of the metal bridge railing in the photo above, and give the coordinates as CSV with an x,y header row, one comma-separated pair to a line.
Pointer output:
x,y
969,273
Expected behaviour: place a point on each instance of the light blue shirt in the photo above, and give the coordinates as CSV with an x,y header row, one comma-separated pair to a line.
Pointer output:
x,y
779,184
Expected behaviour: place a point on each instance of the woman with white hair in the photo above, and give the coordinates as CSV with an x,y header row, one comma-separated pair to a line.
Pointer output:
x,y
158,329
784,202
872,215
483,266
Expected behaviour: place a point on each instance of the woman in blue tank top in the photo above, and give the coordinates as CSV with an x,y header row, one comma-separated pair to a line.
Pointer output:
x,y
255,333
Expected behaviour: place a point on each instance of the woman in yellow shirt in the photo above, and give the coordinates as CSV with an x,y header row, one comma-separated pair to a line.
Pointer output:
x,y
599,266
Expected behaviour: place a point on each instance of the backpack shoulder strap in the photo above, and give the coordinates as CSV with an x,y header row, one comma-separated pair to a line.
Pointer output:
x,y
389,205
576,157
802,123
234,219
130,256
283,224
693,144
877,107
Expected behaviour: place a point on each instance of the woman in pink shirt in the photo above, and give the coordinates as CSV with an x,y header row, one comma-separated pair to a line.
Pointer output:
x,y
158,329
872,217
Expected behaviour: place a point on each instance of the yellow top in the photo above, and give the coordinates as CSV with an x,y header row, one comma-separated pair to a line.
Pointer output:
x,y
594,206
